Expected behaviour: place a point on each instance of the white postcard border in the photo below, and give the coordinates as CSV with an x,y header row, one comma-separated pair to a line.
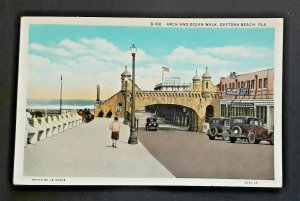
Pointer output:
x,y
19,179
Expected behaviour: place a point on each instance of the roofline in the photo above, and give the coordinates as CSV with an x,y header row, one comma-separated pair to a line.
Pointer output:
x,y
248,73
256,71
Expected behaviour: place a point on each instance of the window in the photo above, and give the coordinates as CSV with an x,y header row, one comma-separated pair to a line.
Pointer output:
x,y
261,113
229,111
242,84
223,110
260,83
238,121
215,121
232,85
241,111
206,85
248,84
226,122
238,85
223,87
234,111
252,84
249,112
265,82
238,111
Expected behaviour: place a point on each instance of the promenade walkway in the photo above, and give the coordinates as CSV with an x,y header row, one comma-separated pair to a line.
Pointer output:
x,y
86,151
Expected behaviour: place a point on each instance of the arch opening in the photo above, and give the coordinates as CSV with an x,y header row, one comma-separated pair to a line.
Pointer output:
x,y
109,114
209,112
173,116
101,113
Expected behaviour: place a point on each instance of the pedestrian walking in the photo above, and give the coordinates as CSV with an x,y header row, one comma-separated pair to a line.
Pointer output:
x,y
115,130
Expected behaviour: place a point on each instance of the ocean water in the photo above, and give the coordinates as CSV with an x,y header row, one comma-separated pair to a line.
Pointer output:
x,y
53,104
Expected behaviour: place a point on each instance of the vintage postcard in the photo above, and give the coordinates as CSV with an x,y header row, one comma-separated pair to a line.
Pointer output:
x,y
149,101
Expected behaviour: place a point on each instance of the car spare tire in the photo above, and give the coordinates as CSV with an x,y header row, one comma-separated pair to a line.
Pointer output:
x,y
214,130
236,130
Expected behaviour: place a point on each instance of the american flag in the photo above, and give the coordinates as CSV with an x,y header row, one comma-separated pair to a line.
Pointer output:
x,y
165,69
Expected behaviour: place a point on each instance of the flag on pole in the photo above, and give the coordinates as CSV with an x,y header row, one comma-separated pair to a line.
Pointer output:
x,y
166,69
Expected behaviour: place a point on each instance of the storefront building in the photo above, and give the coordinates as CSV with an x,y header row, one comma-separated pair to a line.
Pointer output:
x,y
249,94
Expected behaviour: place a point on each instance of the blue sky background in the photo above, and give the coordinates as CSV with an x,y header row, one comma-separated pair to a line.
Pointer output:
x,y
91,55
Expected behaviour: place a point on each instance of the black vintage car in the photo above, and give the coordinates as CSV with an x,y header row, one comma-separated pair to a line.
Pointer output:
x,y
151,124
249,128
218,128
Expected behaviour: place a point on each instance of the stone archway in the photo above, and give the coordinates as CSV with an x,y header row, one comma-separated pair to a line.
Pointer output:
x,y
175,114
209,112
109,114
101,114
195,101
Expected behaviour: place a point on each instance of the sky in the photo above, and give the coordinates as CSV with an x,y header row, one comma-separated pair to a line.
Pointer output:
x,y
89,55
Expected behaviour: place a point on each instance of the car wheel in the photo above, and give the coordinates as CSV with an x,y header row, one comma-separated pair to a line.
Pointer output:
x,y
232,139
251,137
225,135
236,130
257,141
272,140
210,135
214,131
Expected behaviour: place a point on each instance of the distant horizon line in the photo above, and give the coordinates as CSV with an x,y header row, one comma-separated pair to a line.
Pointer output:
x,y
62,99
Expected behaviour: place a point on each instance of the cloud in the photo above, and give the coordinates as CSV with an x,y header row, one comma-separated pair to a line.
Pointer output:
x,y
87,62
44,65
149,75
71,45
110,52
80,77
101,44
52,50
239,51
100,48
186,55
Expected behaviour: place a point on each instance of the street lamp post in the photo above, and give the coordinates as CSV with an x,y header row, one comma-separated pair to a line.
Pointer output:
x,y
125,108
98,93
133,136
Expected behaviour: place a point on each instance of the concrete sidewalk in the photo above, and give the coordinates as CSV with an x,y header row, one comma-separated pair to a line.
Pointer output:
x,y
86,151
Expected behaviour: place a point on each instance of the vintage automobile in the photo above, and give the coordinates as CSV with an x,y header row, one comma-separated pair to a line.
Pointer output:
x,y
249,128
151,124
218,127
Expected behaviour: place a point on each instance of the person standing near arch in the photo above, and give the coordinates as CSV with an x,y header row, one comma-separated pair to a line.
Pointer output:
x,y
115,131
